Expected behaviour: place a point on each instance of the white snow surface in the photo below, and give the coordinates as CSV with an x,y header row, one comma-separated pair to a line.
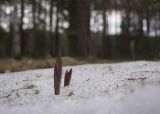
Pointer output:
x,y
119,88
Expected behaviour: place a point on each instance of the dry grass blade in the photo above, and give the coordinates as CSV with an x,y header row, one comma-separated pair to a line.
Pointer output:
x,y
57,75
67,79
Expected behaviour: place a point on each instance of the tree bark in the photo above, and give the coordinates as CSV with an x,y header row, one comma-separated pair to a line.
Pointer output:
x,y
72,33
31,45
105,38
16,44
141,23
83,26
148,21
21,27
79,30
51,29
57,38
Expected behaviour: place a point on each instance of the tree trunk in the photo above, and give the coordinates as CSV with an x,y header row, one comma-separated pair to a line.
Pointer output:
x,y
51,28
148,21
72,33
16,44
34,14
21,27
0,12
31,41
105,41
83,26
126,38
57,40
79,30
140,23
127,19
45,38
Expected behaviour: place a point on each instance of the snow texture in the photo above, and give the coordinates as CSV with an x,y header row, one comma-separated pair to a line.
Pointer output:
x,y
120,88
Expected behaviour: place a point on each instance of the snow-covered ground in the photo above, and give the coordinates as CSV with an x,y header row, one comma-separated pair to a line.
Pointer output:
x,y
121,88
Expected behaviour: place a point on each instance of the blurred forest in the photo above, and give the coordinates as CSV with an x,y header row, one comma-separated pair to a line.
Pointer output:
x,y
109,29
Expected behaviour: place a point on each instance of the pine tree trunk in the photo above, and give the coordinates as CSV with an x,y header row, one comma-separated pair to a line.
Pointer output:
x,y
57,38
72,33
16,44
148,21
105,38
21,27
83,26
31,41
51,29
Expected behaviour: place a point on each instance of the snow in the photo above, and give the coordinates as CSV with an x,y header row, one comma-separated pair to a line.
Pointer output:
x,y
119,88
